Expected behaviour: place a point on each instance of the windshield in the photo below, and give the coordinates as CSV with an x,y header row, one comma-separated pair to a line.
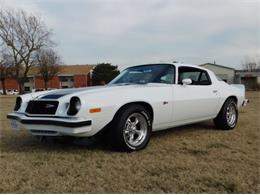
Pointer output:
x,y
155,73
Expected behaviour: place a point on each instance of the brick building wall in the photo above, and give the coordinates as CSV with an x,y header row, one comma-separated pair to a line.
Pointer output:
x,y
79,77
53,83
10,84
38,83
80,81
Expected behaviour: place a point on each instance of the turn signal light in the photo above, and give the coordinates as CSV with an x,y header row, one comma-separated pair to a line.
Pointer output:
x,y
94,110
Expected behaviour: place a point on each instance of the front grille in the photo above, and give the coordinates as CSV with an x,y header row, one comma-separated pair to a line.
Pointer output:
x,y
42,107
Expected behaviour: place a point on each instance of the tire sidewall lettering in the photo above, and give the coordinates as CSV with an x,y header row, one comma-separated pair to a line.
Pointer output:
x,y
149,123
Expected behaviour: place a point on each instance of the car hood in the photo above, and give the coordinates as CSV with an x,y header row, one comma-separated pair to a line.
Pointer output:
x,y
62,93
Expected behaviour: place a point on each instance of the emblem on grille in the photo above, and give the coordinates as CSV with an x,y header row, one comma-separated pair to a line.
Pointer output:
x,y
49,106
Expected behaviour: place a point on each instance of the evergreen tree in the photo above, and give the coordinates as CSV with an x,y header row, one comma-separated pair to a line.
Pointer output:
x,y
103,73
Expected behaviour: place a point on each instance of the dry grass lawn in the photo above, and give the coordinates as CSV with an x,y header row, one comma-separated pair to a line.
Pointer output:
x,y
191,159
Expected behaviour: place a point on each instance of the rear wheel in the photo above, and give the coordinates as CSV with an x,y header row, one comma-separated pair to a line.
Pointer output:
x,y
131,128
228,115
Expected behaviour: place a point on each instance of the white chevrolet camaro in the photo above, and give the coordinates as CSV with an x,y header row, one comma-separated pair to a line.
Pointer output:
x,y
140,100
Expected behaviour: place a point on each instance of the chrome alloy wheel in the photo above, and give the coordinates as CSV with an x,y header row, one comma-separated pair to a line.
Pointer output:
x,y
135,130
231,114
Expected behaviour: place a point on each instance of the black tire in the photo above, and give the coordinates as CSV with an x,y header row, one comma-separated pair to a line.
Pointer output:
x,y
223,121
117,135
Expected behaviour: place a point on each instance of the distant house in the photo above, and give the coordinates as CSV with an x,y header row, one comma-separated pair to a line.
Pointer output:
x,y
251,79
224,72
68,77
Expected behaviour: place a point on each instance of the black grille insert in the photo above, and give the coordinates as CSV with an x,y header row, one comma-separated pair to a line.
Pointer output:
x,y
42,107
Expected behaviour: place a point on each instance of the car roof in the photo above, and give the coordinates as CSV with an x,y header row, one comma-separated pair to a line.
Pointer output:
x,y
177,65
189,65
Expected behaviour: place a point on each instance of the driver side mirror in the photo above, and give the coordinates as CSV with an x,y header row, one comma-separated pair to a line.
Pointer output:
x,y
187,81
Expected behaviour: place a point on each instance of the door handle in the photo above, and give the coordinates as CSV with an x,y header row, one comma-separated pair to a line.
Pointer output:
x,y
215,91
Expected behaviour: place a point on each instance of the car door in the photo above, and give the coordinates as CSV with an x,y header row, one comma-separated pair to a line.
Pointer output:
x,y
196,101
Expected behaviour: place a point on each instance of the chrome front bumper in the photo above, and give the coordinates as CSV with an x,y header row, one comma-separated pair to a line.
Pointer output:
x,y
51,126
245,102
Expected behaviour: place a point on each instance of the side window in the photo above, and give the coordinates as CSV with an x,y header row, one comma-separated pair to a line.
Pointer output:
x,y
193,75
204,78
198,76
169,76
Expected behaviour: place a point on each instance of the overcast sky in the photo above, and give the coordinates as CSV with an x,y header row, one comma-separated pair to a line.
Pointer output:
x,y
127,32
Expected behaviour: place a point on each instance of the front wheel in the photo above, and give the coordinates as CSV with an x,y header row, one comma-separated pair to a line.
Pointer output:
x,y
228,115
131,128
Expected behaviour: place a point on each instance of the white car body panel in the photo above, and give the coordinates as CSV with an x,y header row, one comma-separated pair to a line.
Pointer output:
x,y
172,105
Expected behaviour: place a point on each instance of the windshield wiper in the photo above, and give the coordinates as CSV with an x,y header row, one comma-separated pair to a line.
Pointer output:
x,y
140,82
130,83
120,84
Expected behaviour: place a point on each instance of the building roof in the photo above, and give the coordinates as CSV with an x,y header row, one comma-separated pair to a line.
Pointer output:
x,y
221,66
67,70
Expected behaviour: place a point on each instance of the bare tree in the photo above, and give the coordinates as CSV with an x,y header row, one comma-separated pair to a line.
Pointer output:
x,y
251,63
3,74
48,62
5,68
23,34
